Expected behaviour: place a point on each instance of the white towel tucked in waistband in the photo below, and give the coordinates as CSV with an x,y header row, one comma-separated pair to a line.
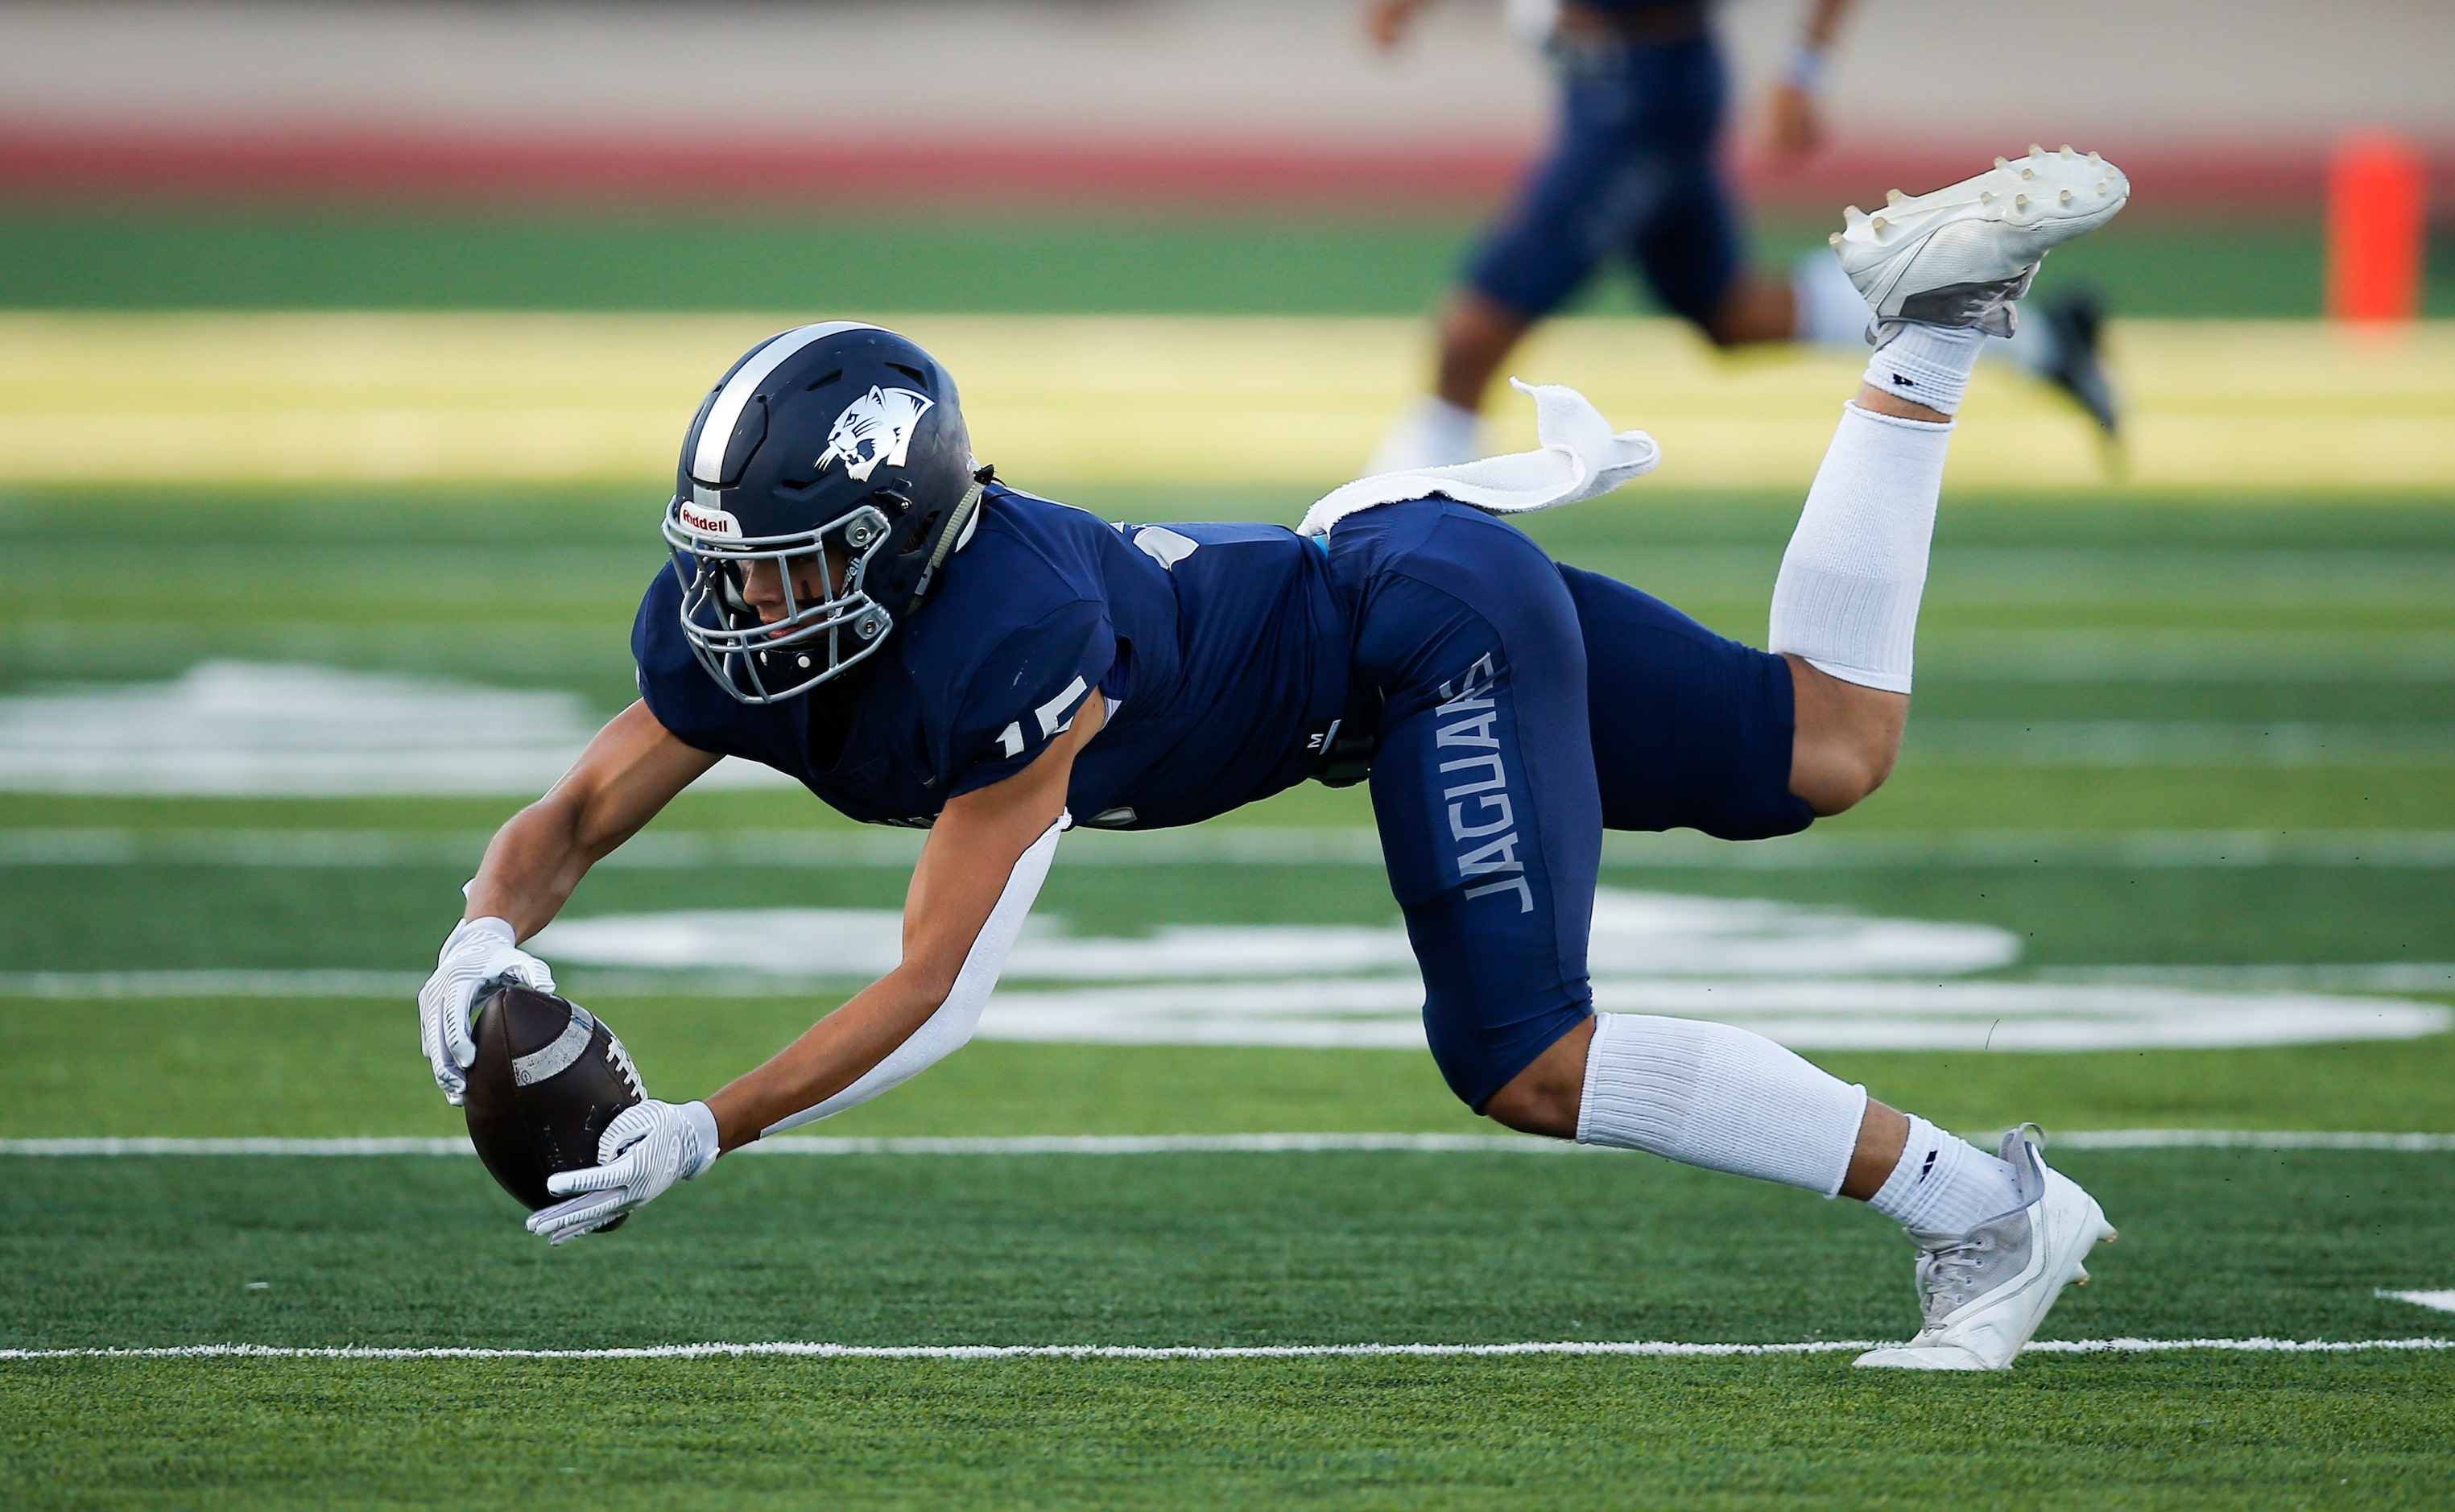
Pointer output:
x,y
1580,457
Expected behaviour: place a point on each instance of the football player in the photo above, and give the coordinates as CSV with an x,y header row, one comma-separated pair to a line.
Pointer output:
x,y
1635,171
854,601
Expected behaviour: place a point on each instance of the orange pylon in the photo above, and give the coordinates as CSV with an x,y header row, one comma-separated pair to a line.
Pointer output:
x,y
2376,187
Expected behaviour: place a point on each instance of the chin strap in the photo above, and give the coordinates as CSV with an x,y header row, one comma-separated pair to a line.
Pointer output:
x,y
950,1028
956,534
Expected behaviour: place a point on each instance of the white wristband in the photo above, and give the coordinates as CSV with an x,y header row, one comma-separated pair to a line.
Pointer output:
x,y
483,926
702,1120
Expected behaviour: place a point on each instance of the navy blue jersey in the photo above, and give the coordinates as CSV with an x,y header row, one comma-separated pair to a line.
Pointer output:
x,y
1221,648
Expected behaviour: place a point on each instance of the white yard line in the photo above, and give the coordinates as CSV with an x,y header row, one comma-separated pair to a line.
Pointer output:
x,y
2384,976
2175,743
1193,1144
821,1351
82,985
1258,845
2249,1139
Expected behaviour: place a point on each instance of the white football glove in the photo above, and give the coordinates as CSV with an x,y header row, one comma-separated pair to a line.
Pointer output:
x,y
478,954
647,1148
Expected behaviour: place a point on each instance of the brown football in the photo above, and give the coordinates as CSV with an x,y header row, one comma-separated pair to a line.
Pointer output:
x,y
547,1080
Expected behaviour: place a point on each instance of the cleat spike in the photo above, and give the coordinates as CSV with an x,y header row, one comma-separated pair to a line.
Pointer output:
x,y
2105,189
1879,223
2035,150
1894,196
2098,161
2067,151
2066,196
1834,240
1986,197
2028,173
1851,216
2002,162
2020,202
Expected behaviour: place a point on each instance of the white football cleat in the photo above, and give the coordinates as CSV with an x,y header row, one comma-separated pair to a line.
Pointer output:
x,y
1984,1292
1962,254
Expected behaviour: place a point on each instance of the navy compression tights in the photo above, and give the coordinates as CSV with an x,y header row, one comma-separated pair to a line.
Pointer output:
x,y
1527,705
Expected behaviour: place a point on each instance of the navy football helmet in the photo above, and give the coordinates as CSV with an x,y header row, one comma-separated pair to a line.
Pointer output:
x,y
838,448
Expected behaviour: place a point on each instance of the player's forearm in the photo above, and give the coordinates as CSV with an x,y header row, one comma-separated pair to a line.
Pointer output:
x,y
835,1052
625,778
964,921
985,860
533,864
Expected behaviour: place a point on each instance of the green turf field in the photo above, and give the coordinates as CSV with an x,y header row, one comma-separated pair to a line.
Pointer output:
x,y
1222,1250
1260,261
2161,628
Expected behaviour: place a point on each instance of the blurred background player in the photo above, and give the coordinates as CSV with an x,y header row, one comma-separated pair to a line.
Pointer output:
x,y
1635,170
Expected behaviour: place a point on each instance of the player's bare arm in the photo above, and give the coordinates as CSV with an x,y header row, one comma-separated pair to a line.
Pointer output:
x,y
977,878
964,868
626,777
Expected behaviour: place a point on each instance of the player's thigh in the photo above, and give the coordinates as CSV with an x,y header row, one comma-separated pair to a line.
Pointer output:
x,y
1483,788
1572,212
1628,118
1689,245
1691,730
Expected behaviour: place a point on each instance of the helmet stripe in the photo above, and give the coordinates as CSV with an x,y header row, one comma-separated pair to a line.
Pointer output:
x,y
707,458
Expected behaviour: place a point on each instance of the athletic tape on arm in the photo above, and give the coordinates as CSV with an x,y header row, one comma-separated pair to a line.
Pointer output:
x,y
950,1028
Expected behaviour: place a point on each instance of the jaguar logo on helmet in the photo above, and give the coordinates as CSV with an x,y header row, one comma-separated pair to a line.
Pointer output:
x,y
875,428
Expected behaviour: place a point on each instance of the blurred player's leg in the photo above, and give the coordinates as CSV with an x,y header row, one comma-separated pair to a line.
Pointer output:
x,y
1689,245
1637,124
1446,427
2061,340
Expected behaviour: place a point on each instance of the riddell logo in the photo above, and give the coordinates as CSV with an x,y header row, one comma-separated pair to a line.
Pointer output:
x,y
709,521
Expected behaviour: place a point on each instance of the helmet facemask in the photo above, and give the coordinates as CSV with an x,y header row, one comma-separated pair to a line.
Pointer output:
x,y
764,661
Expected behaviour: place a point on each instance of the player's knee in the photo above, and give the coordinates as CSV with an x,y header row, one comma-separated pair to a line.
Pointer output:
x,y
1545,1097
1548,1110
1841,776
1845,738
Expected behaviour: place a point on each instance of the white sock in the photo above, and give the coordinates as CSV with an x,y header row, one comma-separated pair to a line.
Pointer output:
x,y
1925,363
1831,312
1847,598
1430,432
1709,1095
1945,1184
